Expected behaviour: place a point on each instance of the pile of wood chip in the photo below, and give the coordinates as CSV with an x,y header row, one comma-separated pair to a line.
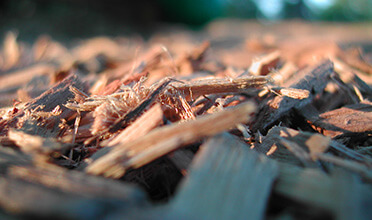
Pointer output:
x,y
238,121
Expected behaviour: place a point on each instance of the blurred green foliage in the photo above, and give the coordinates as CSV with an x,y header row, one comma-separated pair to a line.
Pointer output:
x,y
191,11
201,11
348,10
84,18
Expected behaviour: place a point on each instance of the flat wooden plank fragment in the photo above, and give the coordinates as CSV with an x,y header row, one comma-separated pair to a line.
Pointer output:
x,y
341,194
143,125
227,181
166,139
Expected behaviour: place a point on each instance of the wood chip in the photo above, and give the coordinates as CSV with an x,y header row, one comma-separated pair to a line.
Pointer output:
x,y
166,139
281,142
221,162
348,119
314,80
341,194
195,89
18,196
57,96
140,127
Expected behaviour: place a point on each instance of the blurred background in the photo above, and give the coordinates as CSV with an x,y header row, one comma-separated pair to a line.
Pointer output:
x,y
84,18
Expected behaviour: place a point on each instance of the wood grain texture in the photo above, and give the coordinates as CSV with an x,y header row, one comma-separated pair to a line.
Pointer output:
x,y
348,119
227,181
341,194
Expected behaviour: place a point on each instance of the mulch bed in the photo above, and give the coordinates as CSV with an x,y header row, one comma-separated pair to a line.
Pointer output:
x,y
237,121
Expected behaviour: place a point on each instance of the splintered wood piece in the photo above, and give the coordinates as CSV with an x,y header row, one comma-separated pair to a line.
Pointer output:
x,y
146,103
265,65
58,95
314,80
291,146
227,181
166,139
348,119
195,89
35,144
341,194
132,115
34,122
176,107
140,127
